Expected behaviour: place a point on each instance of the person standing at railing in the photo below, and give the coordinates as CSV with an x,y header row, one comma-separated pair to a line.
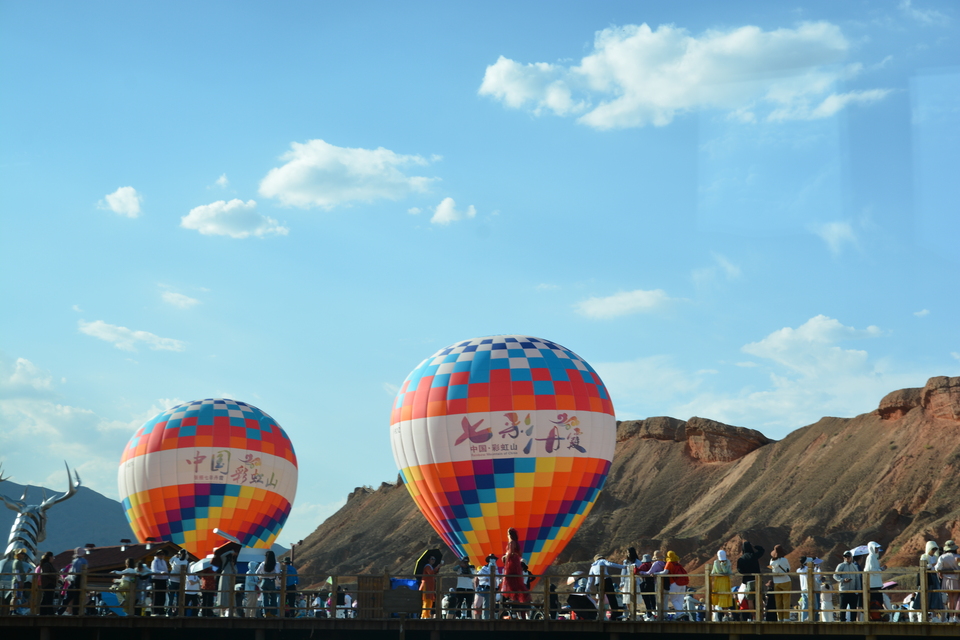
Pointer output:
x,y
177,561
191,595
948,565
161,572
629,577
847,577
428,587
805,602
935,599
48,583
678,581
600,562
463,592
748,566
874,570
720,595
71,583
648,584
485,584
268,572
251,591
514,586
782,582
293,580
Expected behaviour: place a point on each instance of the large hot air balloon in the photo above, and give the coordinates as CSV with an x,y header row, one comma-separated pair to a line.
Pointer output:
x,y
499,432
208,464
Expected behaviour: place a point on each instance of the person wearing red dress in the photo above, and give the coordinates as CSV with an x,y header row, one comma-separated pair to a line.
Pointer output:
x,y
514,585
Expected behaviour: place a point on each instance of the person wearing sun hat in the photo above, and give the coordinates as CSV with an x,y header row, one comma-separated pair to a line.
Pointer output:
x,y
948,565
935,599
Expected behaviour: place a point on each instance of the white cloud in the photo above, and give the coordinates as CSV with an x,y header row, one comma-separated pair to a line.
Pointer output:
x,y
127,339
644,382
955,354
836,235
222,181
922,313
179,300
446,212
637,76
722,266
391,389
319,174
237,219
77,308
125,201
544,286
40,432
413,211
924,16
623,303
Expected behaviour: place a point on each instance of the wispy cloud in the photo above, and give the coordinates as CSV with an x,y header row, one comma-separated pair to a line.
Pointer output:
x,y
636,76
836,235
236,218
124,201
623,303
721,267
447,212
128,339
222,181
319,174
922,313
177,299
923,16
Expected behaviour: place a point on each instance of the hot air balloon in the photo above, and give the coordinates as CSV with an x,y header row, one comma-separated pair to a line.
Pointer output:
x,y
499,432
208,464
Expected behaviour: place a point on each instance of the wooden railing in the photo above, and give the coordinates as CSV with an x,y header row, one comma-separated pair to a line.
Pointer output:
x,y
554,596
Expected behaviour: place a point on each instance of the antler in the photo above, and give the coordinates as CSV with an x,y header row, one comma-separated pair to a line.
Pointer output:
x,y
11,504
71,489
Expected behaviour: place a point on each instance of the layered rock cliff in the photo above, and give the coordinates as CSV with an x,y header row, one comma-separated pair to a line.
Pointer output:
x,y
697,486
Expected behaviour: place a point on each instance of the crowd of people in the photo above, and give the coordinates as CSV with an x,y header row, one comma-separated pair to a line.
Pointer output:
x,y
638,587
756,584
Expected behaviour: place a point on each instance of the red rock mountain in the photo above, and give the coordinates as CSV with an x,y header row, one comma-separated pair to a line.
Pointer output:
x,y
891,475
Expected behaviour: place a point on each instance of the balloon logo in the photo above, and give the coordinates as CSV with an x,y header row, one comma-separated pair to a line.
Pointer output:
x,y
499,432
208,464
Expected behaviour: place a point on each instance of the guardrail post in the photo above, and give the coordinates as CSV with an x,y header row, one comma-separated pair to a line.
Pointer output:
x,y
83,592
865,595
33,593
757,598
181,591
658,583
546,597
708,597
282,605
924,602
633,592
333,596
810,593
602,599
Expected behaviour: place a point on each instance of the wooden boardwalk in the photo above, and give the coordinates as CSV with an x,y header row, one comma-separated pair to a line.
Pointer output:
x,y
149,628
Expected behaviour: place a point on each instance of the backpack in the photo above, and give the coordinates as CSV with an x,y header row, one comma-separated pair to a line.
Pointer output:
x,y
682,580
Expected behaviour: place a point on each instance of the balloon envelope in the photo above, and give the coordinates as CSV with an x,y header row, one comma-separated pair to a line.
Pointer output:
x,y
208,464
499,432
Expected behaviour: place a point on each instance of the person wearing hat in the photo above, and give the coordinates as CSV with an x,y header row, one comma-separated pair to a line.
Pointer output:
x,y
873,569
607,568
71,583
648,586
463,592
948,565
485,582
720,595
935,599
847,576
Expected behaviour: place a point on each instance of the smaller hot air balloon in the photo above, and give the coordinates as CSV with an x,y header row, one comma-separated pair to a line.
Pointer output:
x,y
214,463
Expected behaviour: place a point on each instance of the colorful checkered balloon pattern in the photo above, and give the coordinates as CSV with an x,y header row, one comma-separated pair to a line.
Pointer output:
x,y
213,463
499,432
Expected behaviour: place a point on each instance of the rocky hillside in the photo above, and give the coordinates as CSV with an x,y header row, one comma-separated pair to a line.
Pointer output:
x,y
892,475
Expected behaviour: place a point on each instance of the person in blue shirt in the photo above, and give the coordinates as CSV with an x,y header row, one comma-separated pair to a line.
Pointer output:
x,y
292,581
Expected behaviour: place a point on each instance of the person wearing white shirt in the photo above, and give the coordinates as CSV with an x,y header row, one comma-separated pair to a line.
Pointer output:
x,y
161,573
802,573
485,582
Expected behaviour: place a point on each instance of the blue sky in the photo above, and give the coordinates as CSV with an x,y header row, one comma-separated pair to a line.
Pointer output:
x,y
741,211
